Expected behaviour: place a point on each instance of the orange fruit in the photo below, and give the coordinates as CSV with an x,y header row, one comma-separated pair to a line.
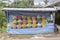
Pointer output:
x,y
34,25
24,25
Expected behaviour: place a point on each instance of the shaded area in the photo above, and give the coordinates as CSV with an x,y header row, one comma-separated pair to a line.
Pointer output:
x,y
57,17
57,21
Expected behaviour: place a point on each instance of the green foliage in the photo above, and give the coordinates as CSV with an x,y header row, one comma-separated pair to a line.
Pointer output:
x,y
3,21
46,1
26,4
22,4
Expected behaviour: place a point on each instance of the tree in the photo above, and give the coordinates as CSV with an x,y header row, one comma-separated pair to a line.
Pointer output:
x,y
46,2
30,3
23,3
3,20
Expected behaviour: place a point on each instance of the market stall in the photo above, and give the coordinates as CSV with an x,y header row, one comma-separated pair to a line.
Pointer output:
x,y
30,20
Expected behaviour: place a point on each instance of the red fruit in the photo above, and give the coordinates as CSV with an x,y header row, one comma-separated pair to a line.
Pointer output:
x,y
33,16
19,17
24,21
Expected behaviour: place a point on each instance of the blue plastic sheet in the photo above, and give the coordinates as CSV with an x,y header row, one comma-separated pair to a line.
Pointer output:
x,y
48,29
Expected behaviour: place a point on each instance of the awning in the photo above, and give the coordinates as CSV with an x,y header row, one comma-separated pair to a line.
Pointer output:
x,y
30,9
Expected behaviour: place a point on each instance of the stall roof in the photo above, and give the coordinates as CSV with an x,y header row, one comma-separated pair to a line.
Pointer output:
x,y
30,9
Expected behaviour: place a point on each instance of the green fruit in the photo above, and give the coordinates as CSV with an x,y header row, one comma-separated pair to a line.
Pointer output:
x,y
19,20
29,24
38,17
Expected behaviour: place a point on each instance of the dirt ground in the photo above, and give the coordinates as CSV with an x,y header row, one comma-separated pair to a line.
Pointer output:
x,y
5,36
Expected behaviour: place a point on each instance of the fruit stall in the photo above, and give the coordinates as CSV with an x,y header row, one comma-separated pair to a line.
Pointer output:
x,y
30,20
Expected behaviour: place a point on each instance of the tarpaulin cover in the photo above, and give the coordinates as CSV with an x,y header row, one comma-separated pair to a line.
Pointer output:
x,y
48,29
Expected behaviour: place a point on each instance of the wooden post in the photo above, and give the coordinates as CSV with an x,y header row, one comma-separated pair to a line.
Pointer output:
x,y
55,26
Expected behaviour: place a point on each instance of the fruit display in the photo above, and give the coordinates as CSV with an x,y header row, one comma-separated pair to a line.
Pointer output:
x,y
43,17
39,21
19,21
29,21
39,25
44,21
23,17
28,17
29,25
24,25
19,26
34,21
15,17
33,17
14,21
38,16
19,17
34,25
24,21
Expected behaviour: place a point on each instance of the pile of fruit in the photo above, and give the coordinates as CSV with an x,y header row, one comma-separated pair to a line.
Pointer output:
x,y
28,21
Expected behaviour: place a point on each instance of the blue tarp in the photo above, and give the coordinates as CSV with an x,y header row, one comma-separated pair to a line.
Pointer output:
x,y
48,29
